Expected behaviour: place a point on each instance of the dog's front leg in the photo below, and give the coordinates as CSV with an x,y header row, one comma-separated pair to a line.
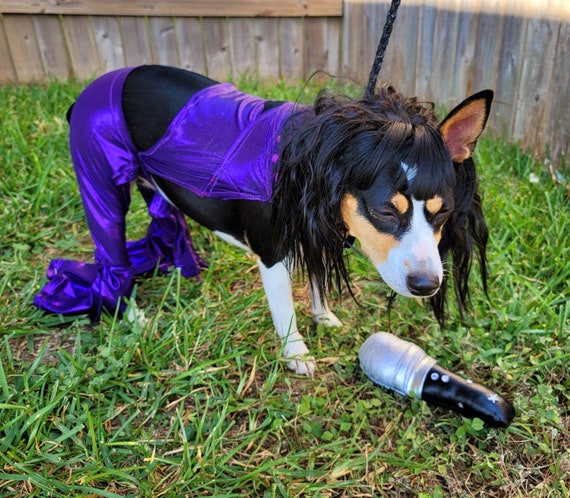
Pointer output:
x,y
277,284
320,309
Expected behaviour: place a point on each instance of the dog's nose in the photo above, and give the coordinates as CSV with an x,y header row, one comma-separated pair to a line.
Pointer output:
x,y
422,285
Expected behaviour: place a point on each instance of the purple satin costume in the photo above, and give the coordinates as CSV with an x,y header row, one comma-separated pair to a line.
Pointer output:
x,y
221,144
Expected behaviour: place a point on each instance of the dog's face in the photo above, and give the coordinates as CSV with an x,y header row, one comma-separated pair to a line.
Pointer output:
x,y
398,226
400,234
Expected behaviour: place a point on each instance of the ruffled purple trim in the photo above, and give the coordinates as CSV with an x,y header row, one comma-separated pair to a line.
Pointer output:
x,y
75,287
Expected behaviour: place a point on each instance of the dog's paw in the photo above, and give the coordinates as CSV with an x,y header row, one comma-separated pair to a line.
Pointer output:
x,y
328,319
302,366
298,358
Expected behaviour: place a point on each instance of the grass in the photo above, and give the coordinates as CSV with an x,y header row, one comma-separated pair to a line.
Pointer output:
x,y
197,403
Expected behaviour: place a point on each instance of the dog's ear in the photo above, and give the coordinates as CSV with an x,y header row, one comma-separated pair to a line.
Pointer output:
x,y
464,124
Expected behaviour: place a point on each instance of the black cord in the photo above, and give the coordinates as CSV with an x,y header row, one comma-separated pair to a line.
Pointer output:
x,y
382,45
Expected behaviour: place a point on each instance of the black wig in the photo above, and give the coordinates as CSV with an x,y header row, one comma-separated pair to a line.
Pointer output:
x,y
341,145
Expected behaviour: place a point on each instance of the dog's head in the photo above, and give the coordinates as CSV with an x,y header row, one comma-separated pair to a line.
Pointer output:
x,y
386,172
400,217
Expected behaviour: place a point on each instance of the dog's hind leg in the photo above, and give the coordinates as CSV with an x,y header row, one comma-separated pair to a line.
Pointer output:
x,y
277,284
320,309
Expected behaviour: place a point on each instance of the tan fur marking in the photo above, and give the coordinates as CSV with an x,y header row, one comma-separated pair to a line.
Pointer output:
x,y
434,204
439,232
375,244
400,203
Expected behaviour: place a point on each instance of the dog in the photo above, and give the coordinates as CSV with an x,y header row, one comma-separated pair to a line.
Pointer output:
x,y
294,184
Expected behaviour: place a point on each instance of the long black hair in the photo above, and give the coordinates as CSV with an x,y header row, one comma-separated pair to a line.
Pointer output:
x,y
341,145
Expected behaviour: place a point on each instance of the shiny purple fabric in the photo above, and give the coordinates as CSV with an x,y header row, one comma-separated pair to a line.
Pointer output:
x,y
221,145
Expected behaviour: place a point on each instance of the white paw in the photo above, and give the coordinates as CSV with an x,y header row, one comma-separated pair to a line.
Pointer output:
x,y
328,319
303,366
298,359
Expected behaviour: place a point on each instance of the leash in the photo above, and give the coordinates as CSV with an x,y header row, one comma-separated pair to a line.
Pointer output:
x,y
382,45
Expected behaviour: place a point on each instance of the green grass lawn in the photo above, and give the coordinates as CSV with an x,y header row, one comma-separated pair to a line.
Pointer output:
x,y
198,403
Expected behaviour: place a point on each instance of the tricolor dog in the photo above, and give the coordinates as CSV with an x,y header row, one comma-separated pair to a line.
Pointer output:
x,y
294,184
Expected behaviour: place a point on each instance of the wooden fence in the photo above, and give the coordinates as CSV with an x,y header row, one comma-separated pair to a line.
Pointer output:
x,y
440,50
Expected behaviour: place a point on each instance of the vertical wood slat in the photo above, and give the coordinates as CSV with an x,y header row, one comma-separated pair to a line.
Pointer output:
x,y
163,41
487,43
352,41
428,15
443,53
80,40
464,67
23,45
136,40
217,48
322,42
266,47
242,36
533,95
107,33
557,125
7,69
510,58
373,21
52,46
190,44
291,45
402,51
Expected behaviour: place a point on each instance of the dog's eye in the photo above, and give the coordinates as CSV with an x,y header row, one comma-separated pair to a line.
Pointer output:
x,y
441,216
385,213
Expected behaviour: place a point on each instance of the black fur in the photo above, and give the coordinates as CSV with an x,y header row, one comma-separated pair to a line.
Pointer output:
x,y
350,146
341,146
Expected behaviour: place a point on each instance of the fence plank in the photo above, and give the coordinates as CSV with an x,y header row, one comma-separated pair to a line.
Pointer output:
x,y
510,61
401,59
352,46
21,36
190,44
463,70
428,16
539,51
322,42
163,41
7,69
216,41
557,126
82,46
52,46
135,40
266,47
445,41
222,8
242,35
291,43
487,43
375,15
109,42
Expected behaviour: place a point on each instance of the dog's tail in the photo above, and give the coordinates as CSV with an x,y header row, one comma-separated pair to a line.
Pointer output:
x,y
69,112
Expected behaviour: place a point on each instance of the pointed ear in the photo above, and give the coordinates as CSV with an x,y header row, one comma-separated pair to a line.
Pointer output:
x,y
463,125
